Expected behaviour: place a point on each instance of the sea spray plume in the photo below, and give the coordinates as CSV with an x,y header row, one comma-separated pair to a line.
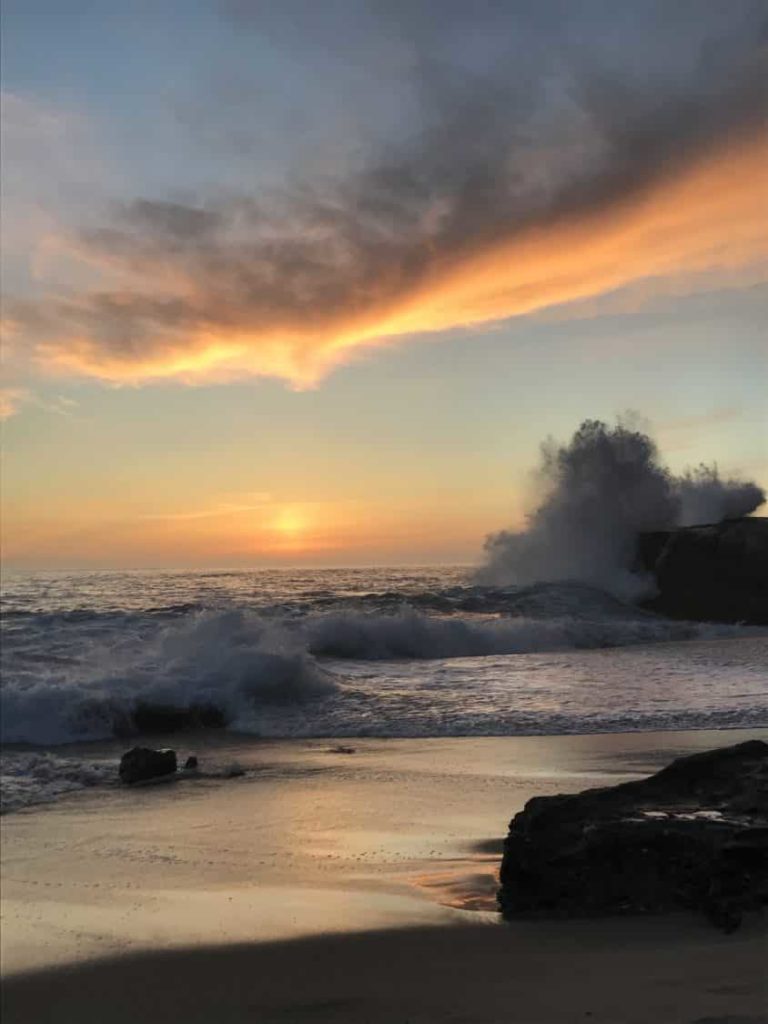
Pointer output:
x,y
705,498
601,490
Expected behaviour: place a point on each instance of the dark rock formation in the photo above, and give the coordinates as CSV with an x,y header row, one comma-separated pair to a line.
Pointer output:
x,y
142,764
694,836
715,573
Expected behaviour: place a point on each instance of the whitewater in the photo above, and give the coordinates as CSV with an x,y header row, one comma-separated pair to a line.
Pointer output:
x,y
375,652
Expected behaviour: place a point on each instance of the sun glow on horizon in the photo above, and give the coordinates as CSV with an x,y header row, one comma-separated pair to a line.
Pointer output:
x,y
291,524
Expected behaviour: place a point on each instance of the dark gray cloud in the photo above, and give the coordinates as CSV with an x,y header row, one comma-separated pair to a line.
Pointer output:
x,y
521,115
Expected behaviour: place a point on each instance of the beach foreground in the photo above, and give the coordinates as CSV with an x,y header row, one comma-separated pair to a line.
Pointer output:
x,y
666,971
349,883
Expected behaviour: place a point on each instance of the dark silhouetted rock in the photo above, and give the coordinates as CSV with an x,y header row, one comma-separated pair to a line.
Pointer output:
x,y
142,764
694,836
190,765
715,573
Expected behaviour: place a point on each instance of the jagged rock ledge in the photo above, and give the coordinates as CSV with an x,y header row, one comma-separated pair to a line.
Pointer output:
x,y
714,573
694,837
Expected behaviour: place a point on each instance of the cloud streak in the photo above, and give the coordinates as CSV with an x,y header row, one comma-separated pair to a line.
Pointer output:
x,y
257,503
521,189
12,399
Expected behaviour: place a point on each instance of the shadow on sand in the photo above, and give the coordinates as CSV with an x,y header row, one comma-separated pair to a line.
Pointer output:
x,y
617,971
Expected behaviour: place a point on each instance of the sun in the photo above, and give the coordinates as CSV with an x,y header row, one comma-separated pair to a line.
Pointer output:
x,y
290,521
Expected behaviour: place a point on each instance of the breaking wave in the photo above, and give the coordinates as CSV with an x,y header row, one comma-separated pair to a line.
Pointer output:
x,y
215,668
411,635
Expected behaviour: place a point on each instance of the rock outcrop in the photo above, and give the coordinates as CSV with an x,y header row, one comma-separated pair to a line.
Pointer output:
x,y
716,573
694,836
141,764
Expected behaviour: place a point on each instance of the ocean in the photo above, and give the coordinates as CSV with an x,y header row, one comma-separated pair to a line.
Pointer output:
x,y
384,652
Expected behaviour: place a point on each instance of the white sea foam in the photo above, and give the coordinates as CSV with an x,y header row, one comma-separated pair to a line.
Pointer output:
x,y
410,634
28,778
226,660
241,662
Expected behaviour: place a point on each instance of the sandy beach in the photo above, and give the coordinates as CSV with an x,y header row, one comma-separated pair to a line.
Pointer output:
x,y
332,885
638,972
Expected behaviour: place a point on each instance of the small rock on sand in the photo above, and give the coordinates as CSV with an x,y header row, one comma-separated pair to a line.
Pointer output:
x,y
141,764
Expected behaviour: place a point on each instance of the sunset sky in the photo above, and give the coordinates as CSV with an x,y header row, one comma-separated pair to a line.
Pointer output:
x,y
309,281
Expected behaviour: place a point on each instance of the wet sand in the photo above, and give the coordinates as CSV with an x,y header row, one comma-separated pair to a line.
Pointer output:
x,y
332,886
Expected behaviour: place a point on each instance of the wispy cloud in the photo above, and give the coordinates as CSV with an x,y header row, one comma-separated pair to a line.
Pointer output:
x,y
255,502
11,400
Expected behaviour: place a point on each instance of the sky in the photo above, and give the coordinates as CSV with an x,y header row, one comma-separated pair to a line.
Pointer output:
x,y
289,282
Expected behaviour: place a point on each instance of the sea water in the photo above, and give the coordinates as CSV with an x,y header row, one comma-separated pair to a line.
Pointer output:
x,y
349,652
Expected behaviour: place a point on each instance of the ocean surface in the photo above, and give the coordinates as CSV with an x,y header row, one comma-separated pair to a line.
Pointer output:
x,y
348,652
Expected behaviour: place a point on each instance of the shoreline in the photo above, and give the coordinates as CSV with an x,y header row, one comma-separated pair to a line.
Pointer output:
x,y
98,759
226,736
400,833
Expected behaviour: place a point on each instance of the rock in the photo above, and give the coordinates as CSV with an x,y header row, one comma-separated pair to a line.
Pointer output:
x,y
693,836
341,750
142,764
715,573
190,765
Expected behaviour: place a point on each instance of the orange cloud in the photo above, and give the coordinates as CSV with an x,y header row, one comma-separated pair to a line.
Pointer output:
x,y
704,220
701,220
